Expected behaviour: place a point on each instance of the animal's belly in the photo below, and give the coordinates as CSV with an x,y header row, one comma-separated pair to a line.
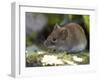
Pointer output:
x,y
78,47
74,48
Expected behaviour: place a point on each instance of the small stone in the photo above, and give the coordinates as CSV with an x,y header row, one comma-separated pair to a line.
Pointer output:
x,y
77,59
51,60
70,62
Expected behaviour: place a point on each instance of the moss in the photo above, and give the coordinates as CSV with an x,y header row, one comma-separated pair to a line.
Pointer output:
x,y
32,57
36,58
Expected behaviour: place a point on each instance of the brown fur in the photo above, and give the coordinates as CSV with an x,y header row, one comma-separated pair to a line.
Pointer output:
x,y
71,38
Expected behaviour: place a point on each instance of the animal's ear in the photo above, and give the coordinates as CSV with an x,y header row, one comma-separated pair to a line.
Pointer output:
x,y
56,26
64,33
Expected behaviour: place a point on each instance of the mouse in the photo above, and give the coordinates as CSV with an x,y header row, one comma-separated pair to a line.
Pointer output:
x,y
70,37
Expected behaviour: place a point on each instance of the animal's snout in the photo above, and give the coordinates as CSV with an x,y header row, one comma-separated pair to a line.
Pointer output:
x,y
48,43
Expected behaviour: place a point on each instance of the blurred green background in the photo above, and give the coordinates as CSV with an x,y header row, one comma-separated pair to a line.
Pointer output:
x,y
52,19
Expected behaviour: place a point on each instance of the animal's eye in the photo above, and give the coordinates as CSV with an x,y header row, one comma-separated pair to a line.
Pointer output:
x,y
54,39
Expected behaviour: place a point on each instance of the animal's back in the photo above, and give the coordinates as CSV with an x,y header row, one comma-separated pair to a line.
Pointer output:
x,y
76,37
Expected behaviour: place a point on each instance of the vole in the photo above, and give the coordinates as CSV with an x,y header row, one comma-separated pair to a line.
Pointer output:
x,y
70,38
